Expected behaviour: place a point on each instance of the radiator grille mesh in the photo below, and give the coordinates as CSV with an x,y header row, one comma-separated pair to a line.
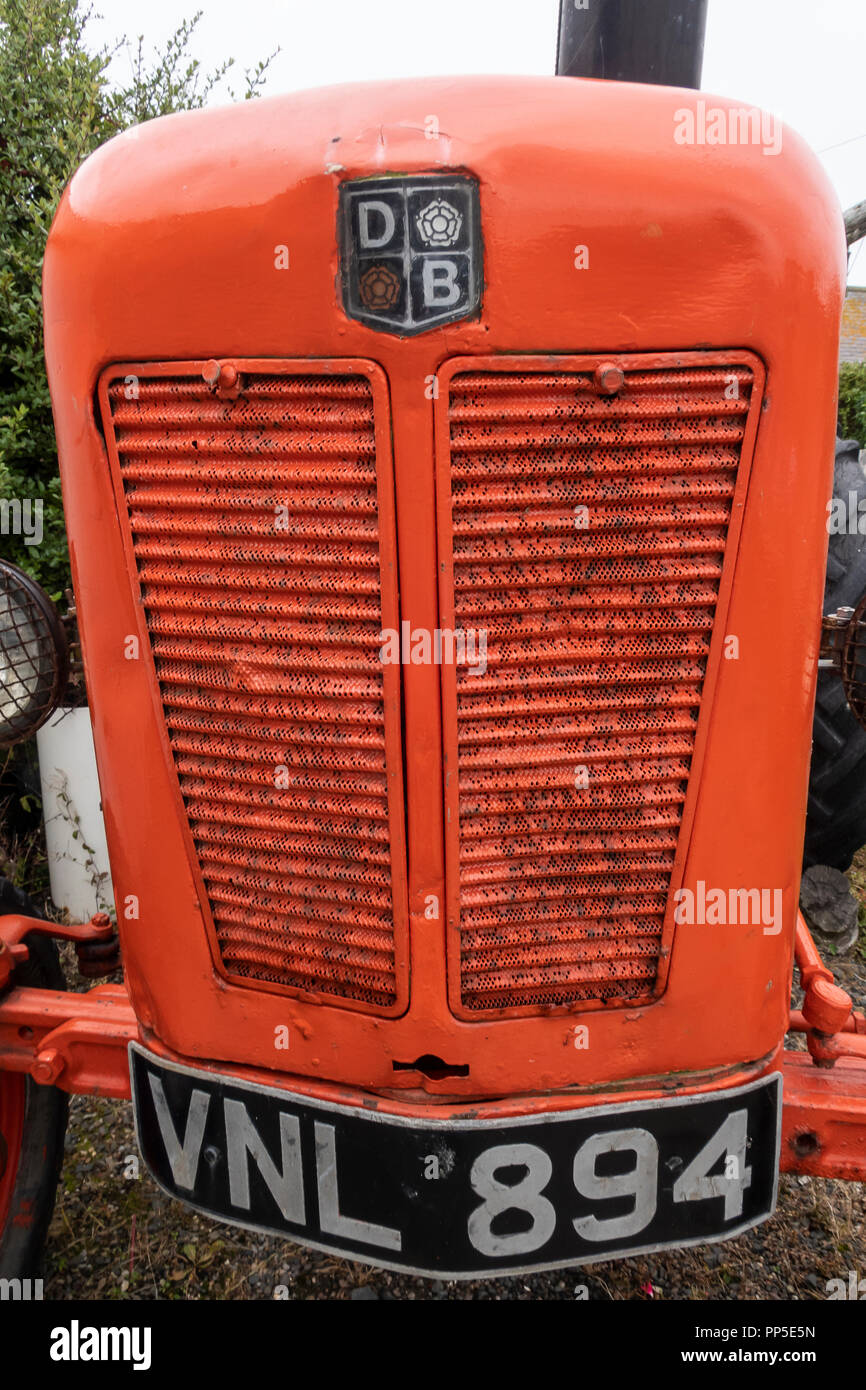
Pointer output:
x,y
588,537
254,524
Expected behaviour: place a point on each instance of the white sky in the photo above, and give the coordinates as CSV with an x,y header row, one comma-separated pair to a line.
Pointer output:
x,y
804,60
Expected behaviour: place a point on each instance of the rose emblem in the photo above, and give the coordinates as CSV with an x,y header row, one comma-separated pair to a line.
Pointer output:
x,y
439,223
380,287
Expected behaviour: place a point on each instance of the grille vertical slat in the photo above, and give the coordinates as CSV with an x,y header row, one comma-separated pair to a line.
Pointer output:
x,y
255,528
587,537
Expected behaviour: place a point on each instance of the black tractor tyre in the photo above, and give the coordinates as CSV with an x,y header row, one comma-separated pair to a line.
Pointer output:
x,y
836,812
30,1164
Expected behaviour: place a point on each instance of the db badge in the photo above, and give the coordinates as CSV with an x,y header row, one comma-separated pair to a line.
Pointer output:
x,y
410,251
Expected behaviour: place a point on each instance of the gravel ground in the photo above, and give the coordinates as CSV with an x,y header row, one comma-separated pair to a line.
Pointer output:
x,y
115,1235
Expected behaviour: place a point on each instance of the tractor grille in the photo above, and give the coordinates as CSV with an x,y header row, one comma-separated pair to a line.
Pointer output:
x,y
255,528
588,537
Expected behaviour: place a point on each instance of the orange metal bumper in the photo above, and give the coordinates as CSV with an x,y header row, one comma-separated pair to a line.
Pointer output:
x,y
824,1118
74,1041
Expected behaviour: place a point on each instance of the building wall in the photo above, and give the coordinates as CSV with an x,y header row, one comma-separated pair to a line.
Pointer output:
x,y
852,347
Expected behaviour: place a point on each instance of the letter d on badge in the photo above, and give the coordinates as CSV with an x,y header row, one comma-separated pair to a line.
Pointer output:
x,y
368,241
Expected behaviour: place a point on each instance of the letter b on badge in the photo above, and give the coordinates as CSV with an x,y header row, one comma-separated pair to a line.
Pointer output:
x,y
439,282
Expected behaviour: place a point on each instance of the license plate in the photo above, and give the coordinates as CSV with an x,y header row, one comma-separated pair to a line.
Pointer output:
x,y
461,1197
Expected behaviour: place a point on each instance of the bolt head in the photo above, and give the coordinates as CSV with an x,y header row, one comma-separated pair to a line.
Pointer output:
x,y
47,1067
609,378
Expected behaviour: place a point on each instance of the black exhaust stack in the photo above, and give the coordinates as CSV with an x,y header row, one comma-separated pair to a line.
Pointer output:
x,y
659,41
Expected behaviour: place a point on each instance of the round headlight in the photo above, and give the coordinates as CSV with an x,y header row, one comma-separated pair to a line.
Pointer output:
x,y
34,658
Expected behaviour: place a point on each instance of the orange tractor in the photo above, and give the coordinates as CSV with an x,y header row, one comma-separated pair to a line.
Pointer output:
x,y
446,468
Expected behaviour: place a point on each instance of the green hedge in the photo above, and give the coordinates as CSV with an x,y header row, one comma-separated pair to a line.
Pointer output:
x,y
56,106
852,401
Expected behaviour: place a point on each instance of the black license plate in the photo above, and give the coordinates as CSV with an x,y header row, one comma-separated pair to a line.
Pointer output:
x,y
457,1197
